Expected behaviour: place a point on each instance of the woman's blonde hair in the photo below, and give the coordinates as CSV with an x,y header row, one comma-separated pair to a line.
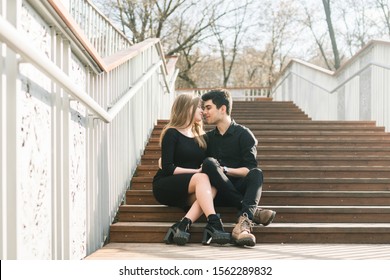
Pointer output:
x,y
182,116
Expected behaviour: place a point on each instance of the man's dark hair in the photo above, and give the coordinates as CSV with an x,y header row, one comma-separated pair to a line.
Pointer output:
x,y
220,97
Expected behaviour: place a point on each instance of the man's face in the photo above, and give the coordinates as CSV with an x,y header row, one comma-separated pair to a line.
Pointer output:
x,y
211,114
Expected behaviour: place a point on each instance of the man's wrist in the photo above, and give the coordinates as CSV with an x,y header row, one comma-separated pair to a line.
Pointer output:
x,y
225,170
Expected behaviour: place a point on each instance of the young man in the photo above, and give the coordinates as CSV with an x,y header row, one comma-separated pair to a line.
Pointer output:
x,y
232,166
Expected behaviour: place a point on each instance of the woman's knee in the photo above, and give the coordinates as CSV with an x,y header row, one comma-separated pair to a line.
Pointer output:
x,y
200,178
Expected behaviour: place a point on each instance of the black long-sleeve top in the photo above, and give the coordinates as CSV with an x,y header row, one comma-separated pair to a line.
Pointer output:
x,y
237,147
178,150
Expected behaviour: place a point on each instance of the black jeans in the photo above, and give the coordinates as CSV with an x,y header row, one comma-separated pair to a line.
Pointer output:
x,y
243,193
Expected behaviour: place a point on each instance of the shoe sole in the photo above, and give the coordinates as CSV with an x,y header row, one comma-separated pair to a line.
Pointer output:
x,y
181,239
270,219
245,242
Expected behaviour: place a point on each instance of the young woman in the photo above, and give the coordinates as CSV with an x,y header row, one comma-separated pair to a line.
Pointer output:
x,y
179,181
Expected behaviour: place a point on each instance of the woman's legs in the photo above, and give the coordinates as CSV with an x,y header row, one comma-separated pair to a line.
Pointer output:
x,y
204,194
201,195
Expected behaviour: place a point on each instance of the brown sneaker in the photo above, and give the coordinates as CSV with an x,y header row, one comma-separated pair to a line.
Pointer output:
x,y
242,232
263,216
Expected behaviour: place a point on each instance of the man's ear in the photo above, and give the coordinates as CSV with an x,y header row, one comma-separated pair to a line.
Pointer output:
x,y
223,108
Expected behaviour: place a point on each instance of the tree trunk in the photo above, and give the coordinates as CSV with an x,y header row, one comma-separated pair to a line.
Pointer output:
x,y
331,34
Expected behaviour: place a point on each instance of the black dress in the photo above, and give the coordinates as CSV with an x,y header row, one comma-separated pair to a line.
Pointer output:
x,y
177,150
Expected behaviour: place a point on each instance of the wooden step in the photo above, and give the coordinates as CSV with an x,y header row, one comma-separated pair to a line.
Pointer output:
x,y
304,125
309,134
285,214
154,232
319,141
306,171
361,151
301,198
316,160
300,137
300,184
274,117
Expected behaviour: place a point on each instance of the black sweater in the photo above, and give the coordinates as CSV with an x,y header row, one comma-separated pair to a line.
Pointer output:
x,y
178,150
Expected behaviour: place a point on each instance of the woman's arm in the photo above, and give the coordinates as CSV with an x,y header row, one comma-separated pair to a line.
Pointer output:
x,y
168,145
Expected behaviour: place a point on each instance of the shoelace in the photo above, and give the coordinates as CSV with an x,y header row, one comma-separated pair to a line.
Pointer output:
x,y
247,222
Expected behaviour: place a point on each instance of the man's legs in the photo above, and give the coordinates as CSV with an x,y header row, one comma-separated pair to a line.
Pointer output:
x,y
251,188
227,194
245,194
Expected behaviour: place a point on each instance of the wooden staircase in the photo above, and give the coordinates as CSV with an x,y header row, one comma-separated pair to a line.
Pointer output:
x,y
328,181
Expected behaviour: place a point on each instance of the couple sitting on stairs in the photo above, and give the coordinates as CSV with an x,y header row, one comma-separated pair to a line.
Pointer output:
x,y
199,170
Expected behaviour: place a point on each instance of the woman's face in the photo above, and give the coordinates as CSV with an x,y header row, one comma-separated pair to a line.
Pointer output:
x,y
198,114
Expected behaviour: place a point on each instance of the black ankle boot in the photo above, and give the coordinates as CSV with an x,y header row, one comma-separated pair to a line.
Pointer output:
x,y
214,231
178,232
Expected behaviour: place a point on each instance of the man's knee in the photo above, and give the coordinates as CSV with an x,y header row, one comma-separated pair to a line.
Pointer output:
x,y
209,164
256,174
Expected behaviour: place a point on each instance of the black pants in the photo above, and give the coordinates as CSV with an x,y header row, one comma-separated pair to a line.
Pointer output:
x,y
243,193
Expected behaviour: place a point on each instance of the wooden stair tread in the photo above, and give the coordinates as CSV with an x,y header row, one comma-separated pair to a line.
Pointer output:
x,y
148,179
295,168
284,226
261,148
277,208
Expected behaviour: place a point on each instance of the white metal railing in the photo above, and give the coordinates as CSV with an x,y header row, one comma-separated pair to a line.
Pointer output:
x,y
246,94
357,91
20,45
106,39
80,165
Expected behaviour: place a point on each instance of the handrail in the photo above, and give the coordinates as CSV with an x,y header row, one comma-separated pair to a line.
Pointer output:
x,y
12,37
384,66
108,63
115,109
74,23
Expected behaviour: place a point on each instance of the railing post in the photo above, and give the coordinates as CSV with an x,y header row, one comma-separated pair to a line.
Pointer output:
x,y
10,212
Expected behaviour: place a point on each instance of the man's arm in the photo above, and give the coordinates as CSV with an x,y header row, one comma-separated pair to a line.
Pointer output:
x,y
237,172
248,148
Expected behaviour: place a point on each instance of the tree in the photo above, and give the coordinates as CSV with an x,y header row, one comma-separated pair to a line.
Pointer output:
x,y
384,7
229,50
222,43
332,35
319,37
182,25
282,34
